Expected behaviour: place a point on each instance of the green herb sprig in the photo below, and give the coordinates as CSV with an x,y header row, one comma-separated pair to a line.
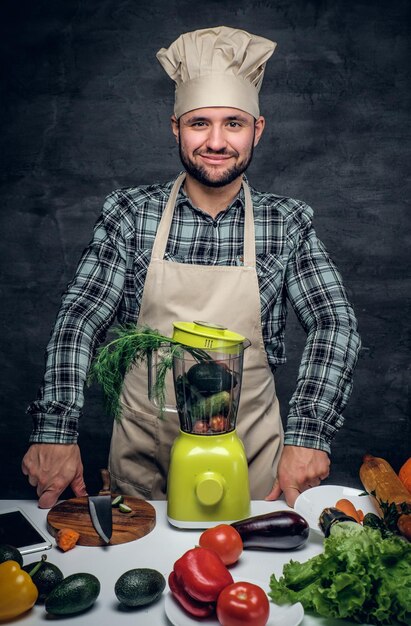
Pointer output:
x,y
391,512
133,345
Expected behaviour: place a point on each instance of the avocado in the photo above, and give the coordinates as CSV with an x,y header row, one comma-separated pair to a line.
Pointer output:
x,y
140,586
74,594
10,553
210,377
45,578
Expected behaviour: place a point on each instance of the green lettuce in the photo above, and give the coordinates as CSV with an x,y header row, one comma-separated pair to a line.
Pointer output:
x,y
360,576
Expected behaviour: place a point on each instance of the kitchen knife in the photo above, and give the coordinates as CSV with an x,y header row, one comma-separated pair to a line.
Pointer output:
x,y
100,509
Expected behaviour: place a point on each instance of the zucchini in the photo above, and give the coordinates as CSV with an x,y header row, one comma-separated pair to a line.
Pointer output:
x,y
212,405
278,530
373,521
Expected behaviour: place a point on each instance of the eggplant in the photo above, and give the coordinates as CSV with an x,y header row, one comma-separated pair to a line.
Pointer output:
x,y
331,516
278,530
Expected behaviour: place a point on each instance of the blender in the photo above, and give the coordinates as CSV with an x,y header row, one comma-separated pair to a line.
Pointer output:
x,y
208,473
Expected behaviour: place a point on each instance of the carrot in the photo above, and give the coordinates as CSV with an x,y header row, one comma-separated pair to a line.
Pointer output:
x,y
347,507
360,515
67,538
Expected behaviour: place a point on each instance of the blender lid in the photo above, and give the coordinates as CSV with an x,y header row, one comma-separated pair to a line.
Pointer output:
x,y
206,335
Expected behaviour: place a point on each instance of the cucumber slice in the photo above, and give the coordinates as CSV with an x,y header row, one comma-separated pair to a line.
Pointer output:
x,y
117,500
124,508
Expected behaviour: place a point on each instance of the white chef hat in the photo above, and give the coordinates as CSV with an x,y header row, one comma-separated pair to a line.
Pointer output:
x,y
218,66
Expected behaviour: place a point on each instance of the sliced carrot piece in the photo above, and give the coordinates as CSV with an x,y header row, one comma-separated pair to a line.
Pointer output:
x,y
347,507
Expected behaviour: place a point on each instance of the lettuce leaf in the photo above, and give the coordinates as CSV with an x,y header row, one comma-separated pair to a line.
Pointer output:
x,y
360,576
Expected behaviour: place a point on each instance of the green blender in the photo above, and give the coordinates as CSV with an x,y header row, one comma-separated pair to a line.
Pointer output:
x,y
208,474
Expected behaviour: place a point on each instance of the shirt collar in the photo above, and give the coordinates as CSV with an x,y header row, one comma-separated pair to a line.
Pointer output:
x,y
238,202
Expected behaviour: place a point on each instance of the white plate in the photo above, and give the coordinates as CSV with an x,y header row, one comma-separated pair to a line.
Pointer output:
x,y
288,615
311,503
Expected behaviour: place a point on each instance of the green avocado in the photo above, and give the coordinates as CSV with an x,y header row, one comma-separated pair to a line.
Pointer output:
x,y
210,377
74,594
140,586
45,578
10,553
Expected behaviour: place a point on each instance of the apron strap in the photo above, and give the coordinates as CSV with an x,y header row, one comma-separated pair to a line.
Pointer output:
x,y
163,230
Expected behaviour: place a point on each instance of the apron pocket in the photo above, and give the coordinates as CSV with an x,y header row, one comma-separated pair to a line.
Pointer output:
x,y
140,451
133,451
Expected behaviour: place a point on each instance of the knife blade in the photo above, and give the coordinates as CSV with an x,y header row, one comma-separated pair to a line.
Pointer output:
x,y
100,509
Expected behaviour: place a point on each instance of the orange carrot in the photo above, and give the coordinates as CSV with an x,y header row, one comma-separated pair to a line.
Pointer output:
x,y
67,538
360,515
347,507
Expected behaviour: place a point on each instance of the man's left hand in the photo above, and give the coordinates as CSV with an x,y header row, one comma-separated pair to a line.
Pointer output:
x,y
299,469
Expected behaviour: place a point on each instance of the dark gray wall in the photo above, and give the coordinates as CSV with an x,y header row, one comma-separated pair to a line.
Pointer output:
x,y
85,109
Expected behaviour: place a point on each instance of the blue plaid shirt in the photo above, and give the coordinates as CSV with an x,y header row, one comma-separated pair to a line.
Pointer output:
x,y
292,265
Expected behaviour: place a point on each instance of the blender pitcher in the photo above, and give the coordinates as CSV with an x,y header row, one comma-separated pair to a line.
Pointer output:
x,y
208,473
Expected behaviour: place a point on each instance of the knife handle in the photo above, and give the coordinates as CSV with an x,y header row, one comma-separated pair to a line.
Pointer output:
x,y
105,477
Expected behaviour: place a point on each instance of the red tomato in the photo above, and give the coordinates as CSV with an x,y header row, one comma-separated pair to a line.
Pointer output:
x,y
218,423
200,427
243,603
225,540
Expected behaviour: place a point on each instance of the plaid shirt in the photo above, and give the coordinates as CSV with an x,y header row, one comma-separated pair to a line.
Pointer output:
x,y
292,265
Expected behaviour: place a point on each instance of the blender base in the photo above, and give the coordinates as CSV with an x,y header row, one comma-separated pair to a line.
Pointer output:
x,y
207,481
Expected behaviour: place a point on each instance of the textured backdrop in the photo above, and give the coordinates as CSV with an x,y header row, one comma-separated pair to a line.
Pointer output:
x,y
85,109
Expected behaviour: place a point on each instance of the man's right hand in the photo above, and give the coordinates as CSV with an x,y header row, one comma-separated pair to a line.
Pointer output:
x,y
51,467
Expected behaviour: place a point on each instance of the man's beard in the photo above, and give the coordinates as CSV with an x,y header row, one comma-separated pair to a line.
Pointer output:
x,y
199,172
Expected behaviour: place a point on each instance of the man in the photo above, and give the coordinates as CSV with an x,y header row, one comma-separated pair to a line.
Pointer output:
x,y
203,247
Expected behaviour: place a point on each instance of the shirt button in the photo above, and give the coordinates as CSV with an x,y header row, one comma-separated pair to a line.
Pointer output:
x,y
215,224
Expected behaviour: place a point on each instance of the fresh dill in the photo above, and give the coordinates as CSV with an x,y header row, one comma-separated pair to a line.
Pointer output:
x,y
133,345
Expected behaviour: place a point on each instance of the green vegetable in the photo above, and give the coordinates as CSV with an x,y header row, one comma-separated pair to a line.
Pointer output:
x,y
74,594
117,500
373,521
139,587
359,576
210,378
212,405
46,577
10,553
132,346
124,508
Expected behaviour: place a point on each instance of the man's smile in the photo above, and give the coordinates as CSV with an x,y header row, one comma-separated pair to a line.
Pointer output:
x,y
213,158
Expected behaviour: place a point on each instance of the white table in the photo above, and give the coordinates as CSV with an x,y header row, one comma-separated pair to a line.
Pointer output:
x,y
158,550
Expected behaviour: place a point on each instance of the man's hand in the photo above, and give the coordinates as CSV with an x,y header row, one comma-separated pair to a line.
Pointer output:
x,y
299,469
51,467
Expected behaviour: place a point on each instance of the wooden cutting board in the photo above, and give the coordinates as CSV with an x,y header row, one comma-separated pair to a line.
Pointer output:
x,y
74,513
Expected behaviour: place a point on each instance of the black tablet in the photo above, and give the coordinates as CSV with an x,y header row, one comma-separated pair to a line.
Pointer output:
x,y
18,530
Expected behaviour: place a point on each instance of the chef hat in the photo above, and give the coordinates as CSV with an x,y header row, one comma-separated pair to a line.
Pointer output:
x,y
219,66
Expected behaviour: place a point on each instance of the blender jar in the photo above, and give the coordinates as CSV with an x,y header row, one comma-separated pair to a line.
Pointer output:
x,y
207,391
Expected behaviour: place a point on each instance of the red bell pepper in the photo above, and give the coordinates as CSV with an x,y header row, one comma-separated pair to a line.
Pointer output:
x,y
202,574
192,606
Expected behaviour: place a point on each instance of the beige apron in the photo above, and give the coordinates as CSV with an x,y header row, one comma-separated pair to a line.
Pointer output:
x,y
226,295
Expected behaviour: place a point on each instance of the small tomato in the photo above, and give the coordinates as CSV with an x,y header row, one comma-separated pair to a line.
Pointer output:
x,y
225,540
218,423
243,603
200,427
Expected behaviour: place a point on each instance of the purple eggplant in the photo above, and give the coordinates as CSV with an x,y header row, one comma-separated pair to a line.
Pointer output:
x,y
279,530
